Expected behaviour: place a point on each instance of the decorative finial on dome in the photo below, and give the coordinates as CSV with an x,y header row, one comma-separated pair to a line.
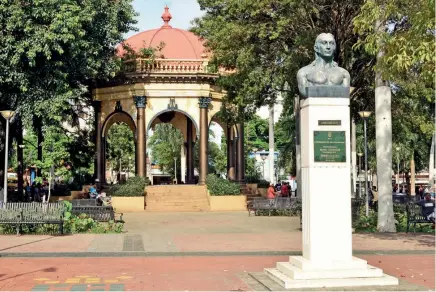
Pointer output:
x,y
166,17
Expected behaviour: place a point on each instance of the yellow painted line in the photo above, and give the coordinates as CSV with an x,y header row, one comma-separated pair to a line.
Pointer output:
x,y
82,276
41,279
111,281
124,277
52,282
72,281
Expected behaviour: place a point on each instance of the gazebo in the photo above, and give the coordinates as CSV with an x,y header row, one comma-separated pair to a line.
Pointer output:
x,y
177,88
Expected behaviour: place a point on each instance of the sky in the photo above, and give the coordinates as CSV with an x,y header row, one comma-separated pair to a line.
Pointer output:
x,y
150,11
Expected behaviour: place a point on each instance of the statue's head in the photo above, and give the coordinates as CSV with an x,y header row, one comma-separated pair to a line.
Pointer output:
x,y
325,46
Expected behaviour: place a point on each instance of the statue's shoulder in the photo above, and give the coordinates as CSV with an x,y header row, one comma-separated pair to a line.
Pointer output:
x,y
304,70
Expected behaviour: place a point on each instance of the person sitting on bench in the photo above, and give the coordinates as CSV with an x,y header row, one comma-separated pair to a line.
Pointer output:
x,y
428,208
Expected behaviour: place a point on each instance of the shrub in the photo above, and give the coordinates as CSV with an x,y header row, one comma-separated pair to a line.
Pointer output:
x,y
221,187
263,184
72,224
133,187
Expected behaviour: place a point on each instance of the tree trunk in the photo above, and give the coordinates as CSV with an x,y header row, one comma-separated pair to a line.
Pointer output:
x,y
353,158
297,145
2,156
383,115
37,122
271,145
20,159
431,164
412,175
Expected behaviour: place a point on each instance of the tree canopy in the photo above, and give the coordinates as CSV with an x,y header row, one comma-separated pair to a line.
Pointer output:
x,y
165,145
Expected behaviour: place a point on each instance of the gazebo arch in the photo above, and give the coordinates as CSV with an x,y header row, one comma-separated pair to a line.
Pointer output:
x,y
115,117
197,130
118,117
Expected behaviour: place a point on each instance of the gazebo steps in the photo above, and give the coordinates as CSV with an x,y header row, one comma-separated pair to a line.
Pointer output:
x,y
177,198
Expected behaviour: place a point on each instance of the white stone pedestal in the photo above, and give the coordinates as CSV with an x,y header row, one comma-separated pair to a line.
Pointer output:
x,y
327,259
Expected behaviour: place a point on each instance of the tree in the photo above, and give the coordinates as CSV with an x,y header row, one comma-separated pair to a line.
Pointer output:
x,y
256,131
165,145
400,34
121,147
217,159
53,52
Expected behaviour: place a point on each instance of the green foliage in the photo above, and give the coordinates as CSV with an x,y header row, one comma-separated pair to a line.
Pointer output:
x,y
366,224
133,187
369,224
405,36
121,147
217,158
165,145
263,184
295,210
252,171
285,135
72,225
83,224
221,187
256,133
52,50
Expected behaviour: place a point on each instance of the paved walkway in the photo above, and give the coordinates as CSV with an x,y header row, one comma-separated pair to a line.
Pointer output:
x,y
203,232
191,251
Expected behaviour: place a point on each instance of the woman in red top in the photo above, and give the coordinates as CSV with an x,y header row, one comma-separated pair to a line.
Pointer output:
x,y
271,192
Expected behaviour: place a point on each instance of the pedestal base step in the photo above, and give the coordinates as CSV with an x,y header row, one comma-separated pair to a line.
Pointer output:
x,y
289,283
296,273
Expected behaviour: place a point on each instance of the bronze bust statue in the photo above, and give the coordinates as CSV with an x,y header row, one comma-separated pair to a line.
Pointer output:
x,y
324,73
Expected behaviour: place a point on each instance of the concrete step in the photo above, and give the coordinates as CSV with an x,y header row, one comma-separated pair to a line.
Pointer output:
x,y
177,198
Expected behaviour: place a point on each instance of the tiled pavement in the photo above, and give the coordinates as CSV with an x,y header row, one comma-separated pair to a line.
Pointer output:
x,y
190,251
202,232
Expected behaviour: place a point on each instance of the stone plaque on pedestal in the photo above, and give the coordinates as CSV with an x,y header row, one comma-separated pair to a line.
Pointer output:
x,y
329,146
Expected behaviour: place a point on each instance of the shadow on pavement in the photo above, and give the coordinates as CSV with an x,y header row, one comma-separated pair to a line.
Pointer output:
x,y
27,243
422,239
46,270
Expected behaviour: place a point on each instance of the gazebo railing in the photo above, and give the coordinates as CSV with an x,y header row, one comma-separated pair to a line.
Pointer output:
x,y
165,66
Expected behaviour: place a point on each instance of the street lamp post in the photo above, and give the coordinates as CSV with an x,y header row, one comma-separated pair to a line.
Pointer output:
x,y
365,115
359,170
175,169
264,156
8,116
398,169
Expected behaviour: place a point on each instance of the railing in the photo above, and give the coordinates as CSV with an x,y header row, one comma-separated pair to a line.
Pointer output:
x,y
165,66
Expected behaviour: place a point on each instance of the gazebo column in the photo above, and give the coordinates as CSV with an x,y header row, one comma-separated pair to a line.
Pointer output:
x,y
189,152
182,164
140,102
230,154
98,144
241,153
204,127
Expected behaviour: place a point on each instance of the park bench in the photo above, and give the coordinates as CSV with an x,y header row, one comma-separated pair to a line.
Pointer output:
x,y
414,216
98,213
84,202
32,213
278,203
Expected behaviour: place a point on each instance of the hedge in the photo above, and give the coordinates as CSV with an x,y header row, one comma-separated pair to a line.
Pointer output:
x,y
221,187
133,187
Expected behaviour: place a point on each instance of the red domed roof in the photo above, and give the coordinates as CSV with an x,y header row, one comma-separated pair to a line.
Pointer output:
x,y
179,43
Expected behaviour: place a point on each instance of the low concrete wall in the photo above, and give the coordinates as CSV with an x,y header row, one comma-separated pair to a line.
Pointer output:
x,y
263,191
228,203
74,195
252,188
128,204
